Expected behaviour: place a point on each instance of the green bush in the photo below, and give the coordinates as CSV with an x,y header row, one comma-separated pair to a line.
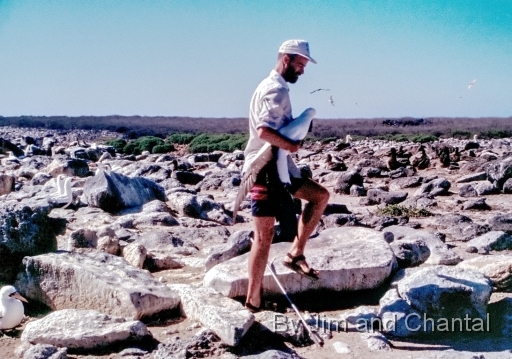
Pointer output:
x,y
217,142
118,144
424,138
396,210
164,148
180,138
147,143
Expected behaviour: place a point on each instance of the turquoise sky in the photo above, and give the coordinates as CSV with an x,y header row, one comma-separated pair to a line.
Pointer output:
x,y
205,58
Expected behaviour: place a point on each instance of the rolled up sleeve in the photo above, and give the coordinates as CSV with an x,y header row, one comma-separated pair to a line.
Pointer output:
x,y
273,109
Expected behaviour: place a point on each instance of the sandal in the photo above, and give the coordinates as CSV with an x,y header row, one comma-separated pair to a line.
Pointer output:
x,y
251,308
297,268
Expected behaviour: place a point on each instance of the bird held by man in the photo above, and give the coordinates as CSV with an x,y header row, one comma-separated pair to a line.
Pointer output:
x,y
12,311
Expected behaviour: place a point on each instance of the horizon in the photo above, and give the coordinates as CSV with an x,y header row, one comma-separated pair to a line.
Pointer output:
x,y
379,59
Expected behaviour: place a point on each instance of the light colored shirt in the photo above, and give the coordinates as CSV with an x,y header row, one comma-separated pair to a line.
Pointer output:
x,y
270,107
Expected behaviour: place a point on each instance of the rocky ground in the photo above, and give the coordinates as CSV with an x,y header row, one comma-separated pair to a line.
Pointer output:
x,y
371,159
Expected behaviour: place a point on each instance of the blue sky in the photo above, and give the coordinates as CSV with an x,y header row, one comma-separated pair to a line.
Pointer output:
x,y
204,58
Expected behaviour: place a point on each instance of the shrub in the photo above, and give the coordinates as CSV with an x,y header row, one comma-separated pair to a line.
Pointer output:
x,y
118,144
395,210
217,142
424,138
164,148
180,138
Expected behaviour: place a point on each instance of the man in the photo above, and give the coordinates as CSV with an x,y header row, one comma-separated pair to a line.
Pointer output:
x,y
270,111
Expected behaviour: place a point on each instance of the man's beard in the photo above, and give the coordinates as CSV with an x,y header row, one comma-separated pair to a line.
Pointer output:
x,y
290,75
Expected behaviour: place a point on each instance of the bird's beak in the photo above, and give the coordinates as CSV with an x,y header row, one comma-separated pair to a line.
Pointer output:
x,y
18,296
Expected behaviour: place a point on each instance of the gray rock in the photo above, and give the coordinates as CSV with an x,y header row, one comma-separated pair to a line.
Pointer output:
x,y
201,345
201,207
238,243
68,167
507,186
485,188
472,177
83,329
446,292
492,241
436,187
439,252
116,192
467,190
405,182
338,220
501,222
346,180
499,172
335,252
272,354
459,227
357,191
45,351
24,231
96,281
397,316
377,196
410,253
476,204
225,317
6,183
187,177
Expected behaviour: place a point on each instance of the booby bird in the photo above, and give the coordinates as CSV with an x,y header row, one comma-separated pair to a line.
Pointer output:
x,y
295,131
103,168
348,138
12,311
331,100
65,194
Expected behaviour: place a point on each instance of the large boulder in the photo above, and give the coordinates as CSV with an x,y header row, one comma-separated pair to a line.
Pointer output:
x,y
499,172
6,184
346,180
68,167
24,231
201,207
98,281
114,192
347,258
498,268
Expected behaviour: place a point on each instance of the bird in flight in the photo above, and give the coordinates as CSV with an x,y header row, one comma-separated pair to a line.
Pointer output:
x,y
320,90
331,100
471,84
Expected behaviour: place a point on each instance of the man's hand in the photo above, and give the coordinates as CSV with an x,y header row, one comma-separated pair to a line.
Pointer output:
x,y
296,145
278,140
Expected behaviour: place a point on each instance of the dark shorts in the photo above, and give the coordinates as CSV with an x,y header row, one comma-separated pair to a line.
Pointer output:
x,y
265,203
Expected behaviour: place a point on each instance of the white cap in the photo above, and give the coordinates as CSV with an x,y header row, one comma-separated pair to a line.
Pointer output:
x,y
297,47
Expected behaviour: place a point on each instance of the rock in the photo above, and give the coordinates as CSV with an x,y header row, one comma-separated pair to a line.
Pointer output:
x,y
467,190
201,345
501,222
346,180
498,268
446,292
238,243
376,341
499,172
476,204
397,316
187,177
377,196
437,187
472,177
96,281
83,329
338,220
116,192
357,191
410,253
459,227
336,208
405,182
485,188
44,351
492,241
201,207
507,186
439,252
6,183
135,254
225,317
334,252
272,354
24,231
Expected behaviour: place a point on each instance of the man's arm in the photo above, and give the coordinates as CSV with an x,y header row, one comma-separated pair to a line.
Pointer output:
x,y
276,139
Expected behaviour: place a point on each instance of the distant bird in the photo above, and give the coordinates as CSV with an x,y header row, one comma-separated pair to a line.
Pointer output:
x,y
471,84
331,100
12,311
348,138
320,90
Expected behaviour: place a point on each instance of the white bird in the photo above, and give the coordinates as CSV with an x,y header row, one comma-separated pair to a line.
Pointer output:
x,y
331,100
348,138
12,311
471,84
103,168
60,185
320,90
65,194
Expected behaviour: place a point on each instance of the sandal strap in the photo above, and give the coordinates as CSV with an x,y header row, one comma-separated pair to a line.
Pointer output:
x,y
296,259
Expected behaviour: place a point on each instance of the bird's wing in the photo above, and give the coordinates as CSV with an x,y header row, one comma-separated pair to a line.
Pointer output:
x,y
263,156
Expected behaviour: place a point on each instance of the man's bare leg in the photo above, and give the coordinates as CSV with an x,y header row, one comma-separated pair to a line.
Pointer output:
x,y
317,198
258,257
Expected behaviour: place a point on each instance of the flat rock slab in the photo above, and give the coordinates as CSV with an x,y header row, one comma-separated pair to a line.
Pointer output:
x,y
96,281
226,317
82,329
349,258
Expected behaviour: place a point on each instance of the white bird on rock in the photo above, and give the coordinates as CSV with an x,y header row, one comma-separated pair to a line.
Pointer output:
x,y
12,311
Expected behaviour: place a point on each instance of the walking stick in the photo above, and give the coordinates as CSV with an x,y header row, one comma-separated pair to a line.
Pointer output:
x,y
312,334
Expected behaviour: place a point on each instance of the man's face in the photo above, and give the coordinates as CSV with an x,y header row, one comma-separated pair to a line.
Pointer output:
x,y
294,68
